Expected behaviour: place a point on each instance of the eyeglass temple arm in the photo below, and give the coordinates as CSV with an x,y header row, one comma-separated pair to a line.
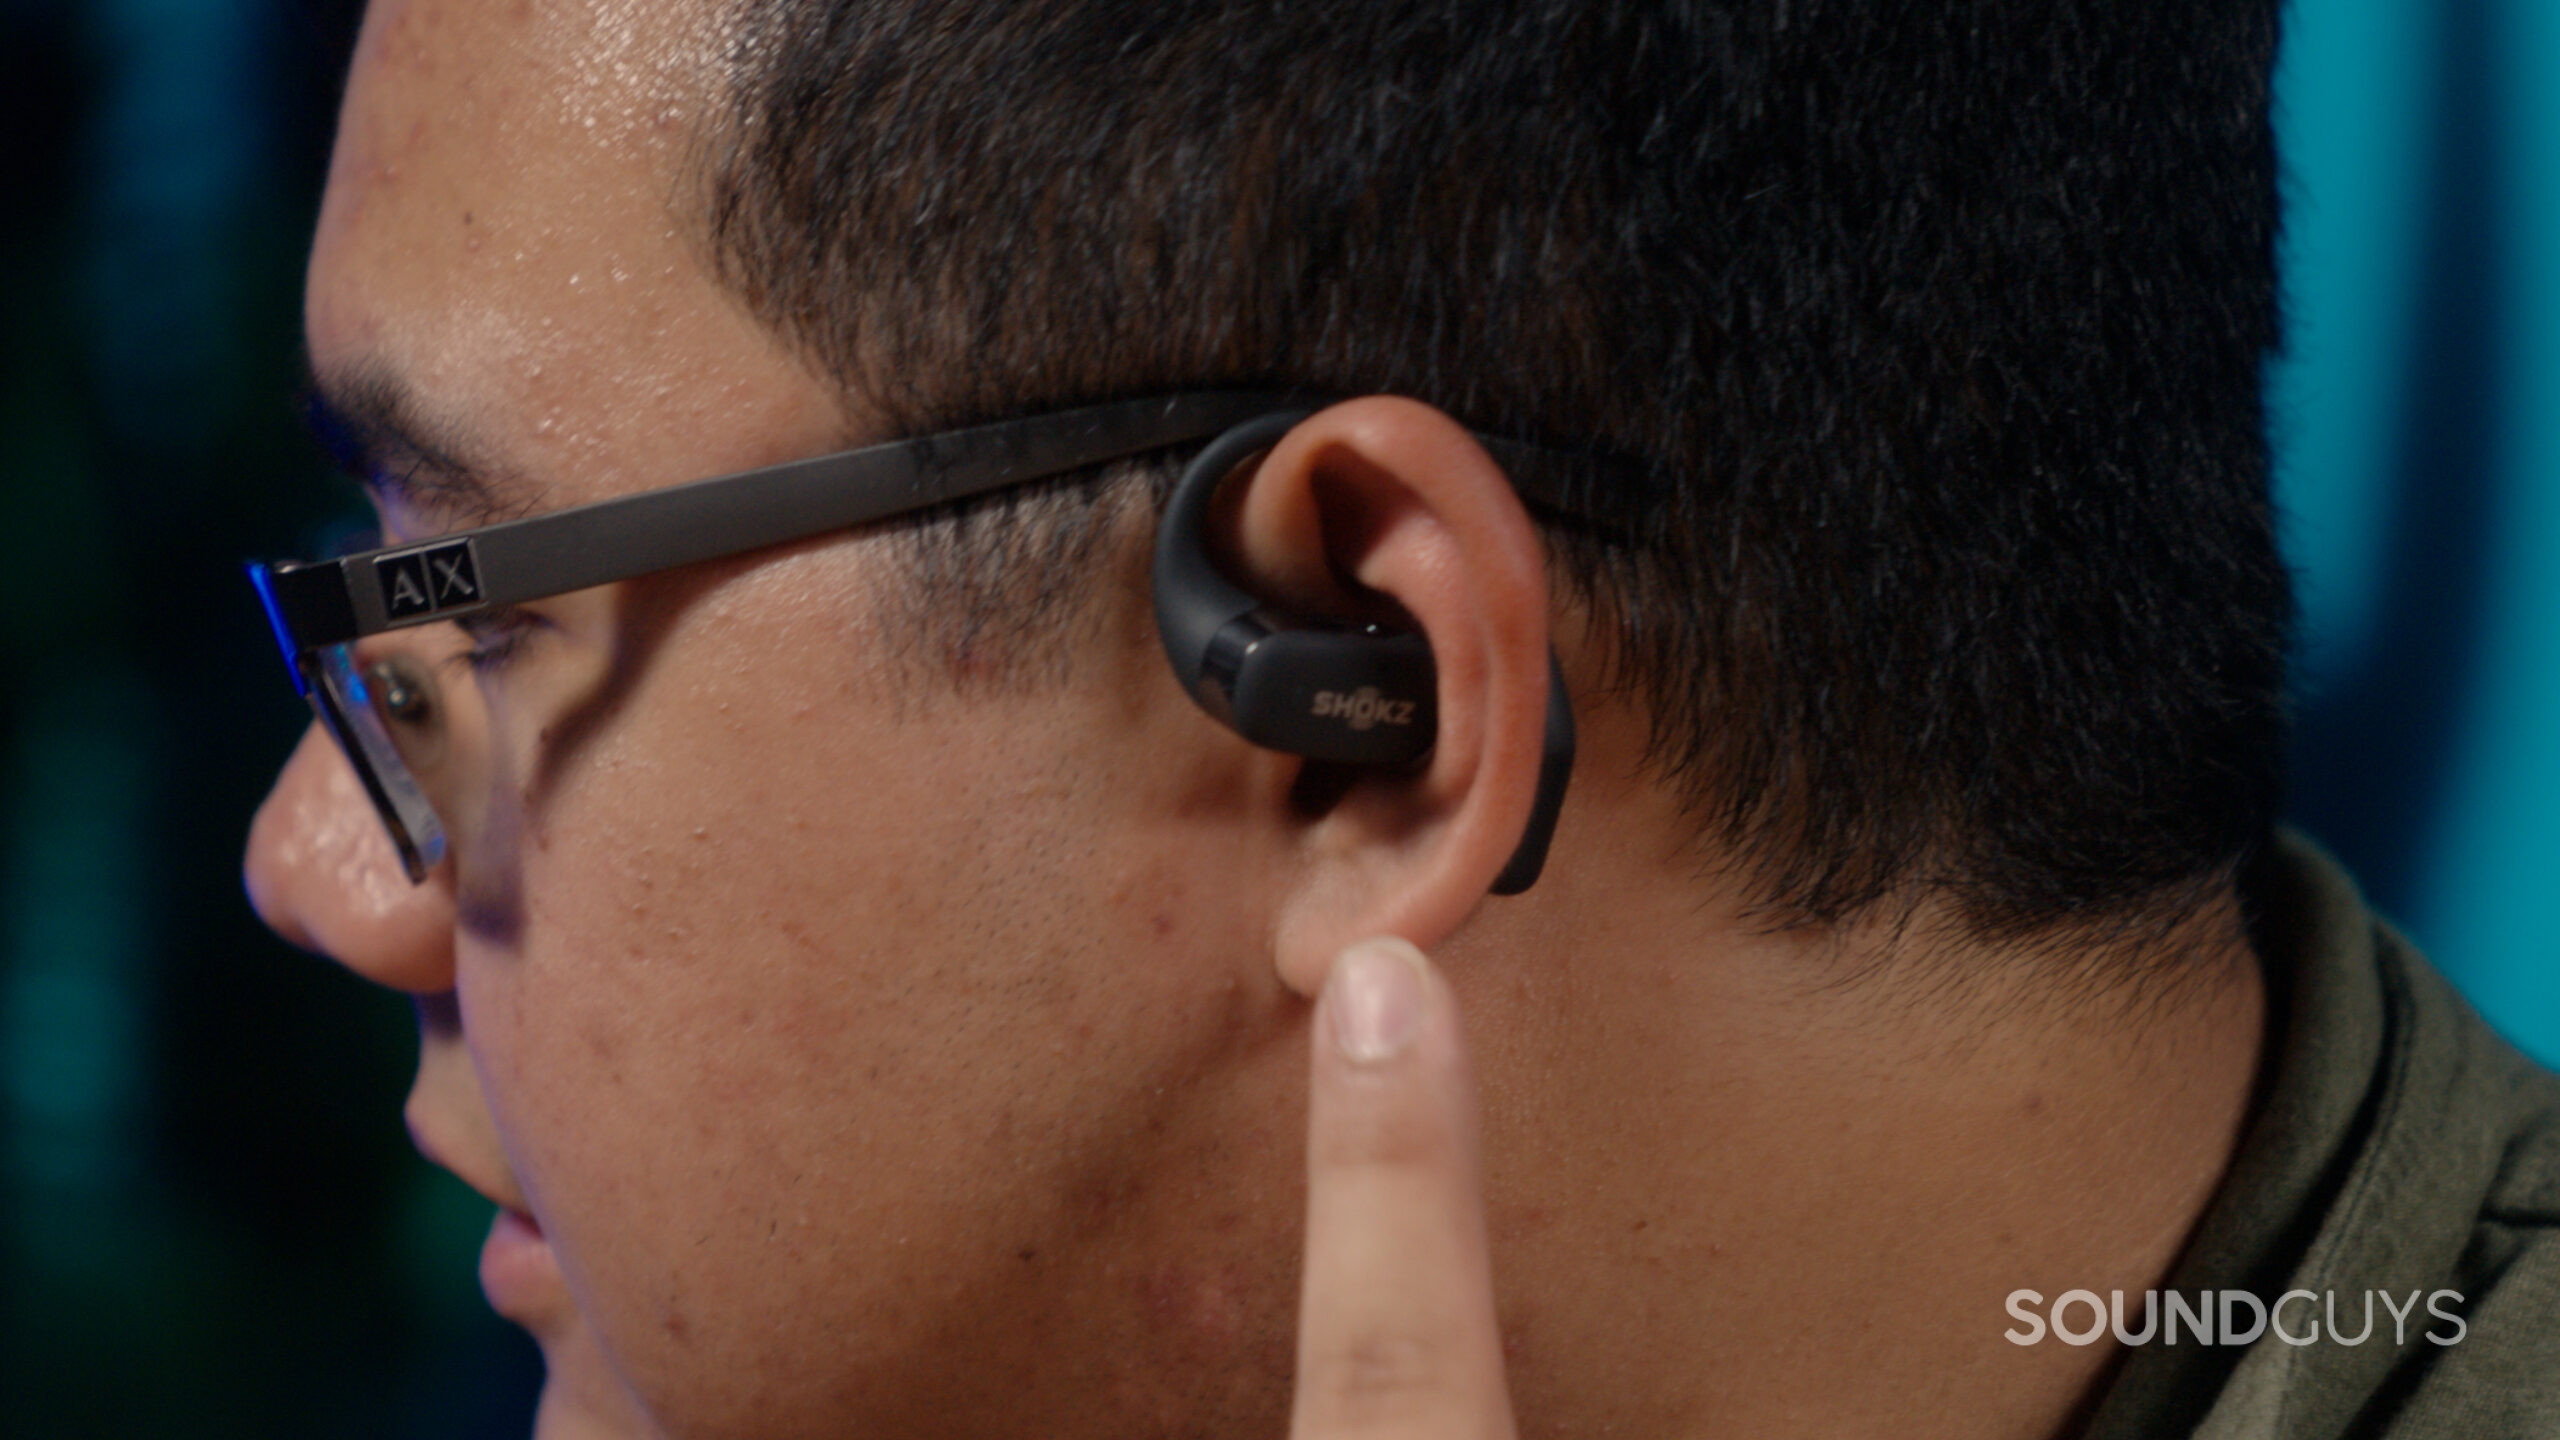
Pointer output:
x,y
332,601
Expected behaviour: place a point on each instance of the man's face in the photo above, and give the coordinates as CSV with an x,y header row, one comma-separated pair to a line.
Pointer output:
x,y
858,1050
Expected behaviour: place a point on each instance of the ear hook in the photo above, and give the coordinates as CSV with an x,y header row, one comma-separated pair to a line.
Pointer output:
x,y
1358,695
1194,603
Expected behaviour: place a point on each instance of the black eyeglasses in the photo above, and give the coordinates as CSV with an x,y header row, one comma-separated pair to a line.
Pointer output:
x,y
382,713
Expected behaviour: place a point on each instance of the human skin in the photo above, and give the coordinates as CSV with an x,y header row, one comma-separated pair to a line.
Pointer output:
x,y
881,1055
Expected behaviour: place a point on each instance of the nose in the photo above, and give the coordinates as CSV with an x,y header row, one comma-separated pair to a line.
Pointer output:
x,y
322,874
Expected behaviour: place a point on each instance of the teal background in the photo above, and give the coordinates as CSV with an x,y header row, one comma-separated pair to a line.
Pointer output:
x,y
210,1222
2417,419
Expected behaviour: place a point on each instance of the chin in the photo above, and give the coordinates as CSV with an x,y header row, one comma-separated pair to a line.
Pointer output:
x,y
582,1398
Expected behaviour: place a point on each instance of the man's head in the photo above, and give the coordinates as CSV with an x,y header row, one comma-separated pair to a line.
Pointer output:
x,y
1930,335
877,976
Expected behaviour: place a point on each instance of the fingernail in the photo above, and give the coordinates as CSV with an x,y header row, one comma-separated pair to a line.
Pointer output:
x,y
1376,1000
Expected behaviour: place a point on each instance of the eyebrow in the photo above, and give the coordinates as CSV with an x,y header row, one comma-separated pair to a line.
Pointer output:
x,y
370,421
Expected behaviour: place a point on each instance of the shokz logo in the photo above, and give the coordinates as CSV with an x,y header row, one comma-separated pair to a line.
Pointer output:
x,y
426,582
1363,708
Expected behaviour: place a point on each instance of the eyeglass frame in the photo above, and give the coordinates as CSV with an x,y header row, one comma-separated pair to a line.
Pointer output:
x,y
318,609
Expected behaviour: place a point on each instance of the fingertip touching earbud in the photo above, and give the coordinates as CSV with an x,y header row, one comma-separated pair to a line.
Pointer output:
x,y
1350,694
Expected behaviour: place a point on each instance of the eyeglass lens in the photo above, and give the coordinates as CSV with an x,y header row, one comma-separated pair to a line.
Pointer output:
x,y
384,715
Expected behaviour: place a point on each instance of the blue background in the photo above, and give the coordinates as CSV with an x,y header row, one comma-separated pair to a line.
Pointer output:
x,y
210,1223
2417,419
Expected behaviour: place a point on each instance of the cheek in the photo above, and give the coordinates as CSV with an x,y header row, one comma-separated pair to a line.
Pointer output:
x,y
725,1019
842,1047
791,1040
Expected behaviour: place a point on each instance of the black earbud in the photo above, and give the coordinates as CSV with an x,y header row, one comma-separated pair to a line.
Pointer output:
x,y
1351,694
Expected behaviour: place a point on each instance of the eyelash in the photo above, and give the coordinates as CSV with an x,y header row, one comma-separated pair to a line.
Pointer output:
x,y
496,636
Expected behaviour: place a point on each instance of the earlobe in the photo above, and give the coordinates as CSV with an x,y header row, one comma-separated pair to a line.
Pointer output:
x,y
1388,599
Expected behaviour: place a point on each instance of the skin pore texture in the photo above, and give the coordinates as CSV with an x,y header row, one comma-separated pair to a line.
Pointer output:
x,y
873,1058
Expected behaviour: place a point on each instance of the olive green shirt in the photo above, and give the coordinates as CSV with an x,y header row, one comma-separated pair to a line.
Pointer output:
x,y
2399,1146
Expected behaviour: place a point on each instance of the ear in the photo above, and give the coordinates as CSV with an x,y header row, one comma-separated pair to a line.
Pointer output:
x,y
1386,510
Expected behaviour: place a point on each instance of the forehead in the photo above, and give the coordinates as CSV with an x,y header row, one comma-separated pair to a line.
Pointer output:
x,y
505,237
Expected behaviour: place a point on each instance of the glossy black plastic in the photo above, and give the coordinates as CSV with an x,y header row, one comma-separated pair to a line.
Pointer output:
x,y
1353,695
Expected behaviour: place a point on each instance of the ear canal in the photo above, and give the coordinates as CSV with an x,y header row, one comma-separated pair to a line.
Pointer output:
x,y
1356,695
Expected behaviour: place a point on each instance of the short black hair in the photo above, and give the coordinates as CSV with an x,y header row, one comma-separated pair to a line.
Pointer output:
x,y
1923,341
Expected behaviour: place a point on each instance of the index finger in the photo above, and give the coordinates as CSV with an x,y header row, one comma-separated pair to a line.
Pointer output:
x,y
1396,1329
